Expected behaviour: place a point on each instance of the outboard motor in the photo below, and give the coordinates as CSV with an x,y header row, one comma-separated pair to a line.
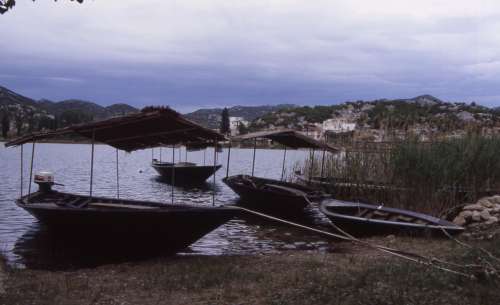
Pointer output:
x,y
45,180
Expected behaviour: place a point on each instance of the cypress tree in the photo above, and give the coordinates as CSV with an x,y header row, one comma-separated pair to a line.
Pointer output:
x,y
224,125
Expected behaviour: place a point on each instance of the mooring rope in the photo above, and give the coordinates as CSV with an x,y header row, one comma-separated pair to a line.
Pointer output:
x,y
481,267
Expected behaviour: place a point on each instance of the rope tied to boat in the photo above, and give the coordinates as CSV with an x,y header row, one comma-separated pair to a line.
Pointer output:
x,y
482,269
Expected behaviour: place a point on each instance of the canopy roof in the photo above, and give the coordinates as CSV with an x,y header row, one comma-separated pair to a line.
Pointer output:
x,y
290,138
151,127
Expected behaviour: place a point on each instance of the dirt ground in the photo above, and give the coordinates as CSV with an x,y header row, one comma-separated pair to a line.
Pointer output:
x,y
257,279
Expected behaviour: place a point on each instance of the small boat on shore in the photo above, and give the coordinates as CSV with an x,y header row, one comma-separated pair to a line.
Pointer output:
x,y
127,223
277,197
366,220
272,195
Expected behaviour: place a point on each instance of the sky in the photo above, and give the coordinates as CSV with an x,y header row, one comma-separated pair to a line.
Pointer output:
x,y
195,54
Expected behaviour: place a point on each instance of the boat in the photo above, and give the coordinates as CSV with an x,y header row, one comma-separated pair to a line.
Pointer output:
x,y
272,195
187,172
276,197
166,226
367,220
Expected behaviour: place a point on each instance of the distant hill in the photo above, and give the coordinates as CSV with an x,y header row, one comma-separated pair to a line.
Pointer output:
x,y
8,97
212,117
425,96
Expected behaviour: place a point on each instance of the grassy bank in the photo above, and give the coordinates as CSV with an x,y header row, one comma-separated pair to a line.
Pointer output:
x,y
431,178
347,274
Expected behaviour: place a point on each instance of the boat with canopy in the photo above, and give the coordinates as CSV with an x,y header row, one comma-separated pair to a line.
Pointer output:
x,y
276,196
163,226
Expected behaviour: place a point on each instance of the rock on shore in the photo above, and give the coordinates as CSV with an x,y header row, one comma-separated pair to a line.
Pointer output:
x,y
481,218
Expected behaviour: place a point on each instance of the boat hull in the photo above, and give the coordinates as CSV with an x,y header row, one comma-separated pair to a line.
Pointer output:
x,y
138,224
273,200
185,174
369,220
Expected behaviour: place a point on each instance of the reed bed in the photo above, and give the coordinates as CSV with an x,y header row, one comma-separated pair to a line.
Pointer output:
x,y
427,177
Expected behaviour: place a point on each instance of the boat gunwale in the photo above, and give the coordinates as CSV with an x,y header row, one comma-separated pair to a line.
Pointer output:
x,y
449,226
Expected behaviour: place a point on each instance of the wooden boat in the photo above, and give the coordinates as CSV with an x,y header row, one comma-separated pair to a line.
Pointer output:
x,y
147,225
272,195
184,172
170,227
365,219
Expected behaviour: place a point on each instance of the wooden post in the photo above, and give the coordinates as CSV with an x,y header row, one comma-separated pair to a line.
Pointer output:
x,y
254,149
92,166
228,155
31,170
322,166
21,170
117,180
215,169
173,161
283,170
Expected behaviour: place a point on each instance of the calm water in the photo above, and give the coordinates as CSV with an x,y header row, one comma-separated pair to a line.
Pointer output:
x,y
27,242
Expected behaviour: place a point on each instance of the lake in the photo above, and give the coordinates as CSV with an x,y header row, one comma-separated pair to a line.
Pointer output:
x,y
28,243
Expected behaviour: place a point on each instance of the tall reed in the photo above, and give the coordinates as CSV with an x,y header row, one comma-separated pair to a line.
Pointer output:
x,y
431,178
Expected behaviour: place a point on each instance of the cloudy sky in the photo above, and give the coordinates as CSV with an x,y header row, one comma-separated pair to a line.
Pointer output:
x,y
194,54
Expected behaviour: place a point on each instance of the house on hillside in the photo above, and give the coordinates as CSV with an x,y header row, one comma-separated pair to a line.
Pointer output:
x,y
490,131
338,125
313,132
235,122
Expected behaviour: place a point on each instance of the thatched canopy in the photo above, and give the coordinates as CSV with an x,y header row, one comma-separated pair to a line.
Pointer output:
x,y
289,138
151,127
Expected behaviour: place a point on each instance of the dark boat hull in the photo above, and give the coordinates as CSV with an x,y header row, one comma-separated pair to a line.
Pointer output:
x,y
368,220
137,224
185,174
281,199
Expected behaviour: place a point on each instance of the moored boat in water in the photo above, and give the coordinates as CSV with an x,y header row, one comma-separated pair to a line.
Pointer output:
x,y
187,172
272,195
141,224
277,197
364,219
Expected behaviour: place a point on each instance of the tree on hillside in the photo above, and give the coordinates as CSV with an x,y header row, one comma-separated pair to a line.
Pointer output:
x,y
18,118
242,129
5,124
224,125
5,5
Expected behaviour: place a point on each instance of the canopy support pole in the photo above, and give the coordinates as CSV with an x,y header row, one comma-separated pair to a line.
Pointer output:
x,y
215,169
21,170
254,149
117,181
31,170
173,161
92,165
283,170
228,155
322,165
312,164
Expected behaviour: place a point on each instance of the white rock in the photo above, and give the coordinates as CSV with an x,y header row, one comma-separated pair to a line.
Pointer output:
x,y
465,215
496,199
485,215
476,216
474,207
491,221
496,208
459,220
485,202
